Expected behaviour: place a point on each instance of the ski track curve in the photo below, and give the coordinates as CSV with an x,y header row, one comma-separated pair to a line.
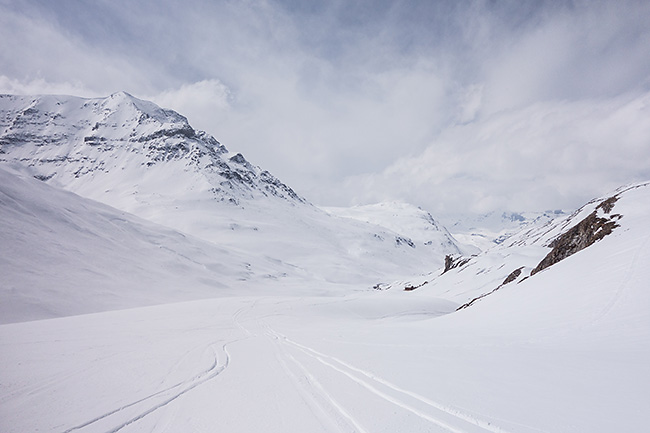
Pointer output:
x,y
169,394
357,375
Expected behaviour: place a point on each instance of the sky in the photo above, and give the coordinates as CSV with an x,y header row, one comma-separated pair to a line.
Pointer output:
x,y
454,106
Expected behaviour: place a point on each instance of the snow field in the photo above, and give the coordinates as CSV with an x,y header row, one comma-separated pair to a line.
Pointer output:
x,y
533,358
563,351
266,320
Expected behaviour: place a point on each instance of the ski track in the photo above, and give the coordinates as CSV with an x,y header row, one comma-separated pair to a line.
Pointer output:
x,y
236,320
313,390
309,397
316,385
213,371
346,369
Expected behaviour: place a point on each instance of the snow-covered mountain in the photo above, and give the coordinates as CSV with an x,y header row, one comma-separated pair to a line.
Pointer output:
x,y
64,255
534,247
417,224
125,151
486,230
148,161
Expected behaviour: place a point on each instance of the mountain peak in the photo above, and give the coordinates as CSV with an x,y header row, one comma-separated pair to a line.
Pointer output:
x,y
128,143
120,100
122,94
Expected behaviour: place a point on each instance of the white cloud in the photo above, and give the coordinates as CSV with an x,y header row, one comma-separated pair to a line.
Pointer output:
x,y
548,155
483,106
40,54
470,103
205,103
41,86
590,50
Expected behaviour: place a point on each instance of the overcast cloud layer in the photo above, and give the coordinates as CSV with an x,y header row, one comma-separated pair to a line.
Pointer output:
x,y
454,106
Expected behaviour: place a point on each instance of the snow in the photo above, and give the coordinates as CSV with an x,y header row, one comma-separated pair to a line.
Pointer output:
x,y
416,224
563,351
63,255
486,230
202,316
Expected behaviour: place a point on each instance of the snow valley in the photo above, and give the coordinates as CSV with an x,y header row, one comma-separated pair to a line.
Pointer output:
x,y
152,280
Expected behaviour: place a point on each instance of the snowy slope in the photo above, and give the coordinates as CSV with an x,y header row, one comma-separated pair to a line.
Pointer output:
x,y
139,158
415,223
64,255
566,350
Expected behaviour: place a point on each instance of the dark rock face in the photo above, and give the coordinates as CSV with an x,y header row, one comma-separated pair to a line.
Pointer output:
x,y
410,288
400,240
591,229
452,262
512,277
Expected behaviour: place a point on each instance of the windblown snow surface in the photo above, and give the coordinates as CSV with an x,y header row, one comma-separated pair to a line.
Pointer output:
x,y
244,342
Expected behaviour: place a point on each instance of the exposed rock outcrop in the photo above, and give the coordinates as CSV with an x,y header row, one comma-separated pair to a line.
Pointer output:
x,y
452,262
591,229
401,240
412,287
